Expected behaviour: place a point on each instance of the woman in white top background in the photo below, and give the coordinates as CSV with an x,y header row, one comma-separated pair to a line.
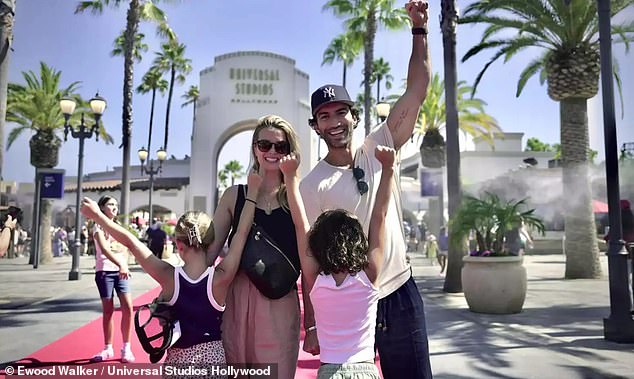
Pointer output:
x,y
341,266
112,273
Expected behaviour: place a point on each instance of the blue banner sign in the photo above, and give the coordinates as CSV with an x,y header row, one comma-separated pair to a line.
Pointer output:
x,y
51,184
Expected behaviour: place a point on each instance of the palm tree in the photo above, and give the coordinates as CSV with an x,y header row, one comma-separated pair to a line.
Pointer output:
x,y
381,72
234,169
359,104
345,48
567,35
448,21
7,13
191,97
140,47
35,106
137,10
152,81
172,59
365,17
432,117
222,179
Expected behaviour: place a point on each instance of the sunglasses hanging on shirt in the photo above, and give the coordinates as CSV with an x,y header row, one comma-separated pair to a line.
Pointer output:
x,y
362,185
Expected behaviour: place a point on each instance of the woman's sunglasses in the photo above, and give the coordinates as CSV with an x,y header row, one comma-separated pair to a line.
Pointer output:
x,y
281,147
358,174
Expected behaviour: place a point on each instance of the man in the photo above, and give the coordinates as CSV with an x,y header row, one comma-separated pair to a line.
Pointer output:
x,y
156,239
348,178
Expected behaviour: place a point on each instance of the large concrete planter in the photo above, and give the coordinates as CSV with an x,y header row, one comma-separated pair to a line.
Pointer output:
x,y
494,284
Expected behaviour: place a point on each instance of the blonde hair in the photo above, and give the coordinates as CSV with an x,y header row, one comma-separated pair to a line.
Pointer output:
x,y
276,122
195,229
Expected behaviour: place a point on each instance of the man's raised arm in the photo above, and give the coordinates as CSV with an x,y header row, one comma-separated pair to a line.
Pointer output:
x,y
403,115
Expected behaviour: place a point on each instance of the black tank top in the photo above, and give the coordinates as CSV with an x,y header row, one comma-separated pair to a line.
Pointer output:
x,y
278,225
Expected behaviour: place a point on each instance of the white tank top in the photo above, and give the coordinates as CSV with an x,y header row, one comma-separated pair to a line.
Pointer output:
x,y
102,263
345,317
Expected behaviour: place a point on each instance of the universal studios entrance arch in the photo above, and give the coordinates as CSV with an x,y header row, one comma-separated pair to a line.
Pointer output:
x,y
235,92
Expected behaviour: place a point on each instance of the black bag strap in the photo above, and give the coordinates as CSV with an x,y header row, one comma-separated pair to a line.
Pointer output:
x,y
237,210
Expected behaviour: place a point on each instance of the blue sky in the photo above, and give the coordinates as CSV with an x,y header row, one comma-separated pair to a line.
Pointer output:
x,y
79,46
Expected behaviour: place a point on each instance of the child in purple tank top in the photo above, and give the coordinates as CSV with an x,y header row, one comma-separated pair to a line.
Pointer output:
x,y
196,291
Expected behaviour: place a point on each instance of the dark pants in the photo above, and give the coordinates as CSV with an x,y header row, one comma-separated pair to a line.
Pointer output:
x,y
157,250
401,335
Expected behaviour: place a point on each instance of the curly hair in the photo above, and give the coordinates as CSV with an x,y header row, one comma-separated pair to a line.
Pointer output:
x,y
338,242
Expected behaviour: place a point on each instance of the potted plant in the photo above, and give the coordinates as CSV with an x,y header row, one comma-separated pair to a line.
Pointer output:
x,y
493,278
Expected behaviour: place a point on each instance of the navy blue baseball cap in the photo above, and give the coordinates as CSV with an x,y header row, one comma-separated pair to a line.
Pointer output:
x,y
330,93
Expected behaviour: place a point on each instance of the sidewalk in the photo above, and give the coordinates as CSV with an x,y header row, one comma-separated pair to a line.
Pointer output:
x,y
559,334
38,306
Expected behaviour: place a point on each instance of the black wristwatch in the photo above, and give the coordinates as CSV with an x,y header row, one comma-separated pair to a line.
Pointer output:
x,y
421,30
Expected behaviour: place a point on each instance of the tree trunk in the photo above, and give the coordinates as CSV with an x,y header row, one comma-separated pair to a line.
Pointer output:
x,y
46,248
368,55
44,146
344,74
169,104
7,12
582,253
449,19
132,25
149,134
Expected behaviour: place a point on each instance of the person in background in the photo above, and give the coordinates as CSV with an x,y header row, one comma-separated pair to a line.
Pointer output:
x,y
156,239
443,249
83,238
5,236
431,248
112,273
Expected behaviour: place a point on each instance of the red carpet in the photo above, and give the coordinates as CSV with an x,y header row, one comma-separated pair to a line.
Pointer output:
x,y
77,347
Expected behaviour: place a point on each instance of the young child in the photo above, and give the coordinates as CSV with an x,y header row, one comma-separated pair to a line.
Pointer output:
x,y
431,248
196,292
340,267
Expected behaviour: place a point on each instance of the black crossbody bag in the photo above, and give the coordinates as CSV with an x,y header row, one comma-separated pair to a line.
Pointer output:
x,y
267,266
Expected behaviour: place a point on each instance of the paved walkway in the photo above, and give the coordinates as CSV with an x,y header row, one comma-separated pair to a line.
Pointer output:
x,y
559,334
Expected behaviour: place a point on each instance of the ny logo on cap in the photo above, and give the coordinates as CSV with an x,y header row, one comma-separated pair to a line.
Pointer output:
x,y
329,92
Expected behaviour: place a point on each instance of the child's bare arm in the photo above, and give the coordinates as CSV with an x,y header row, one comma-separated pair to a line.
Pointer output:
x,y
310,267
376,232
226,270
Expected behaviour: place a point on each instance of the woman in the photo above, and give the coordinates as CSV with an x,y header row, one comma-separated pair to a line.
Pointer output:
x,y
112,274
255,328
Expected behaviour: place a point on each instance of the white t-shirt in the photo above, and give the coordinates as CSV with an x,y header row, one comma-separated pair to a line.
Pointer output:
x,y
331,187
102,263
345,316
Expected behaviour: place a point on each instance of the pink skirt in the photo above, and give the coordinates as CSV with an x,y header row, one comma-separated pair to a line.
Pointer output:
x,y
256,329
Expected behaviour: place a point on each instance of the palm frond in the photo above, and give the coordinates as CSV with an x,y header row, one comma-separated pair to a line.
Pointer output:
x,y
533,67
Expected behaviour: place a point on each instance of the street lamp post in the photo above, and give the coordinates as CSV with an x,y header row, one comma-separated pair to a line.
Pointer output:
x,y
149,169
97,106
619,326
382,110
